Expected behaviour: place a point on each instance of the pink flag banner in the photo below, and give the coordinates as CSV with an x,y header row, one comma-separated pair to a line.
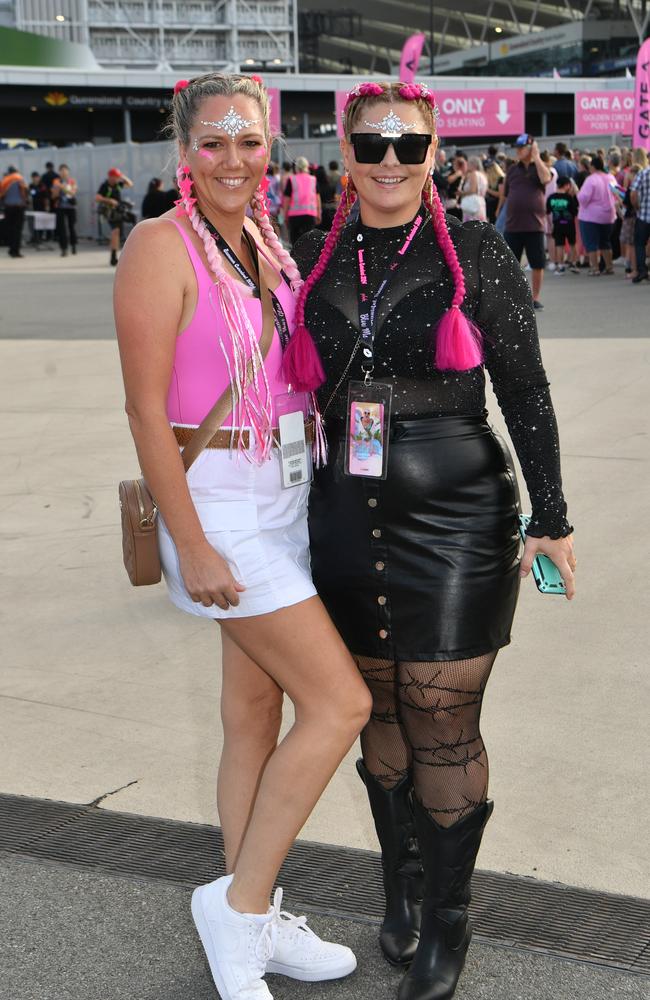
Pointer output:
x,y
411,55
604,112
641,124
275,110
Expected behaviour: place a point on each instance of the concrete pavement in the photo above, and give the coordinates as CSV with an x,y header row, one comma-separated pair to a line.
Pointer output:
x,y
69,935
108,691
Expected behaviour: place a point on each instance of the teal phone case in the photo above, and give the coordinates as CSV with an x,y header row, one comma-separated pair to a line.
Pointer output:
x,y
545,572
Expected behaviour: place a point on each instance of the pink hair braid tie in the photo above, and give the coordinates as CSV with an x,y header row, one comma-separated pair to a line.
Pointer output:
x,y
180,85
458,341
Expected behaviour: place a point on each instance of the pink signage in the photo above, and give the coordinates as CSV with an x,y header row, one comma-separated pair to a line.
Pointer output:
x,y
275,110
641,130
604,112
480,112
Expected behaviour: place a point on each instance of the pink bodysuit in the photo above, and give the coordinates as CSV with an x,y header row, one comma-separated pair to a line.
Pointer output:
x,y
200,376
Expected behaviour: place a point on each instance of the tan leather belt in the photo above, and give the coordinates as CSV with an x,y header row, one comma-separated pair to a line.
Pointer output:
x,y
225,437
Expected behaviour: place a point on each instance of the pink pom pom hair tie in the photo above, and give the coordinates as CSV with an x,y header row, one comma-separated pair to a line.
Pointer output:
x,y
180,85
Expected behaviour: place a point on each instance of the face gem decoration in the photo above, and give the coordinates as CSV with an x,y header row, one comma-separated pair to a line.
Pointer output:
x,y
391,125
232,123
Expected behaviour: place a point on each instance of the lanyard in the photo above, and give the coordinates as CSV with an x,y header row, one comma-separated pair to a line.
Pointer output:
x,y
368,306
232,258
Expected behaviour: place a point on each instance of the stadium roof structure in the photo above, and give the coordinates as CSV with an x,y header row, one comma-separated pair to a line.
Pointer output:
x,y
368,38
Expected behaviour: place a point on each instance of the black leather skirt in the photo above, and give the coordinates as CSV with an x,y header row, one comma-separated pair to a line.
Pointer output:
x,y
423,565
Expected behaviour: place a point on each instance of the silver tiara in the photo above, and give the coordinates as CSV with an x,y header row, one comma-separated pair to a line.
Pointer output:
x,y
232,123
391,125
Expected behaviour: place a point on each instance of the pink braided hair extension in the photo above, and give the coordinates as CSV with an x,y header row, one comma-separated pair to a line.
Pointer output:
x,y
458,340
294,362
270,237
249,409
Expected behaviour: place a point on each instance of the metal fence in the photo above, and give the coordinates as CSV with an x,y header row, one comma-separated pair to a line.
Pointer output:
x,y
89,165
140,162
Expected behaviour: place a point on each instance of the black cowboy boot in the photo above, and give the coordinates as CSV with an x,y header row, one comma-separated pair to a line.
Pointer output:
x,y
392,812
449,856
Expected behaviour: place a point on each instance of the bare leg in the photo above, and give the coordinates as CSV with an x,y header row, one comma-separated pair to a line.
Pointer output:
x,y
251,712
299,648
538,277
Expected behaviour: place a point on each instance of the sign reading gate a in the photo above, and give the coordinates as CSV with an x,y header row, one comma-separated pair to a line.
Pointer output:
x,y
604,112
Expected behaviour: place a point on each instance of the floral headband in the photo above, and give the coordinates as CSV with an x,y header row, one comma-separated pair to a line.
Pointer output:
x,y
407,91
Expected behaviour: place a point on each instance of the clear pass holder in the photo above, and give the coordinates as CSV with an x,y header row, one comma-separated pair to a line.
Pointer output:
x,y
367,432
292,409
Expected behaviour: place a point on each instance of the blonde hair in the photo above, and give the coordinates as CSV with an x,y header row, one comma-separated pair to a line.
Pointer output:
x,y
187,100
640,157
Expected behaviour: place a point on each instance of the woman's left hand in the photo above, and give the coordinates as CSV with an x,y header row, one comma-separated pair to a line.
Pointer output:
x,y
560,551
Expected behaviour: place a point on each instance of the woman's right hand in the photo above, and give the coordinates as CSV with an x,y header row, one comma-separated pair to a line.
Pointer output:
x,y
208,579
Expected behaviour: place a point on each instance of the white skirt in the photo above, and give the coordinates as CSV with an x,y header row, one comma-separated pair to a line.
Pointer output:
x,y
259,528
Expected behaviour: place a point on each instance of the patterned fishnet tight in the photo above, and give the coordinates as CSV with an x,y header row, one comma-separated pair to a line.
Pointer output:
x,y
426,719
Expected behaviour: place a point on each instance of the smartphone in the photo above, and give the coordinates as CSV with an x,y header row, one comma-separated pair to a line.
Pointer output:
x,y
545,573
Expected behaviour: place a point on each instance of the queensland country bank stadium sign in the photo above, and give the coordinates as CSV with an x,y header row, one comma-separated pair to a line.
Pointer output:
x,y
67,100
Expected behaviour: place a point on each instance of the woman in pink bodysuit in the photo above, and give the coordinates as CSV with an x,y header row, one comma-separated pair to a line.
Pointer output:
x,y
233,542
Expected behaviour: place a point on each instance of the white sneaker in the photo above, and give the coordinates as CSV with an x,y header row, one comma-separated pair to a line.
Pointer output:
x,y
238,945
300,954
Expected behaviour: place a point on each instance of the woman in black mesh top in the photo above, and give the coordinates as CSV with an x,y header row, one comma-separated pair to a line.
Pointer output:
x,y
420,570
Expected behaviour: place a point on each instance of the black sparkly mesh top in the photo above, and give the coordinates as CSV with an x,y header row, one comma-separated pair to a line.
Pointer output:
x,y
499,301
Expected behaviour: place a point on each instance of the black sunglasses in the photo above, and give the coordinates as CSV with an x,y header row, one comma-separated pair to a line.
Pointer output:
x,y
369,147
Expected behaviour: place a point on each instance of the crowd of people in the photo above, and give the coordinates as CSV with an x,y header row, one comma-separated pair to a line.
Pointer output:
x,y
566,210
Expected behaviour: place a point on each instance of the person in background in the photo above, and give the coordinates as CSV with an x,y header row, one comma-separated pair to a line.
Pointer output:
x,y
334,173
455,179
286,173
155,203
326,192
38,199
583,170
640,196
274,195
562,207
614,161
109,196
629,221
48,179
64,202
564,162
13,195
440,174
550,189
494,174
301,202
596,217
473,191
525,187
